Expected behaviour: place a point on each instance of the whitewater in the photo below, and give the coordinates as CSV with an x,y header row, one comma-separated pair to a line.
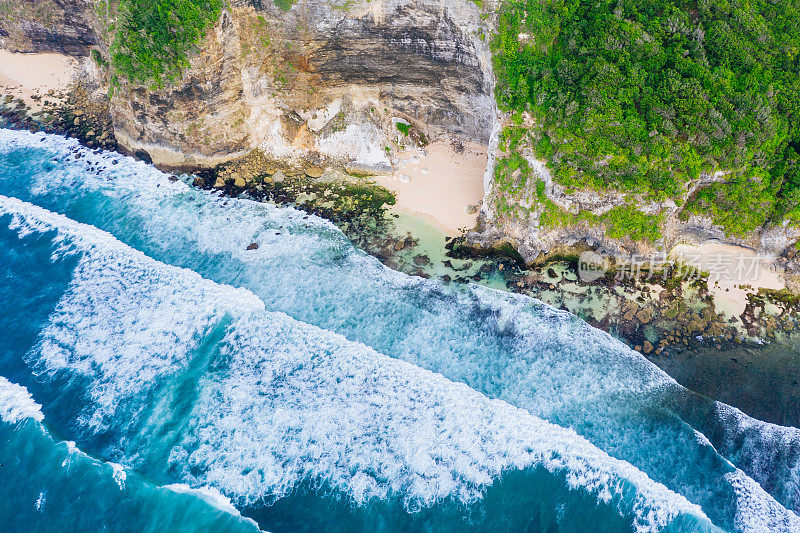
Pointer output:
x,y
163,375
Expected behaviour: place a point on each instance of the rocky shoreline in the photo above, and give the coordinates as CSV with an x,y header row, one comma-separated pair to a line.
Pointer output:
x,y
665,316
655,314
79,112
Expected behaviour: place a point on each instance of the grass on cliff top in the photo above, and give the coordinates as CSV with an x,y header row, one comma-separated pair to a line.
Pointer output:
x,y
512,174
284,5
154,38
645,96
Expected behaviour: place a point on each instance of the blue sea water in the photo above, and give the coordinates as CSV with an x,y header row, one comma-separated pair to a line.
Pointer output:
x,y
157,375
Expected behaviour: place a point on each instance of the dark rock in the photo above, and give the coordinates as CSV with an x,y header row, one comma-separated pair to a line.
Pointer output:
x,y
252,246
367,52
143,155
66,29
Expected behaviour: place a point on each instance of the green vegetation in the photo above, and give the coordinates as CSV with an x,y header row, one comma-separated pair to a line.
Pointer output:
x,y
403,128
284,5
155,37
627,221
742,204
512,176
645,96
98,58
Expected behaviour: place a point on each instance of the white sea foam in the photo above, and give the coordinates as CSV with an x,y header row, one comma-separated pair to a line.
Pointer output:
x,y
215,223
213,497
770,454
292,270
756,511
290,402
208,494
103,285
119,474
72,448
40,501
297,401
16,403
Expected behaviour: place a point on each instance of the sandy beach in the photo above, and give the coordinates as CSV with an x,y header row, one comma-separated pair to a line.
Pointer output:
x,y
440,184
28,75
734,271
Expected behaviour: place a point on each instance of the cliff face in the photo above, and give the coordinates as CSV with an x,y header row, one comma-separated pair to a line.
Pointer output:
x,y
318,81
326,79
537,242
200,121
63,26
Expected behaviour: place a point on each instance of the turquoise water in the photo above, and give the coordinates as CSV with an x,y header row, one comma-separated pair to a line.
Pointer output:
x,y
303,386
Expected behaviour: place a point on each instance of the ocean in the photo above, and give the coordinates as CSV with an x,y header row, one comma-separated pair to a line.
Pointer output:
x,y
156,375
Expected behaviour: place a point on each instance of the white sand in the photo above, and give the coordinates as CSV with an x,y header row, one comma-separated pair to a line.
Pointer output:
x,y
25,75
440,184
733,271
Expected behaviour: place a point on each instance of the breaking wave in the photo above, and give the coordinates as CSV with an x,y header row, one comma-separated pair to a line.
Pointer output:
x,y
318,324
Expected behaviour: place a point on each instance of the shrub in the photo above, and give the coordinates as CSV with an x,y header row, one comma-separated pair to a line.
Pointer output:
x,y
645,96
155,37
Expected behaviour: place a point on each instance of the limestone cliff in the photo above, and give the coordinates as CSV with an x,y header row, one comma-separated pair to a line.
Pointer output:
x,y
325,79
64,26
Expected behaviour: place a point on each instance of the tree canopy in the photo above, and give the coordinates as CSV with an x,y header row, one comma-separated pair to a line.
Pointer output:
x,y
647,95
154,37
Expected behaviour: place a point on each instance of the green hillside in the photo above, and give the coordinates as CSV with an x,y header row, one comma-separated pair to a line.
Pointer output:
x,y
645,96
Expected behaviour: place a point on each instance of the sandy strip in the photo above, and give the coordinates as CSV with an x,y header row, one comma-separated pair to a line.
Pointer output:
x,y
440,184
733,271
26,75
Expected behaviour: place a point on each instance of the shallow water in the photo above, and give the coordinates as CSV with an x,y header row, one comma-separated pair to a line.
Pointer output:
x,y
316,389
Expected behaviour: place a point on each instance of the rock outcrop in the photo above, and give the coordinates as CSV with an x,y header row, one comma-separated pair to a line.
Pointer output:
x,y
63,26
325,79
